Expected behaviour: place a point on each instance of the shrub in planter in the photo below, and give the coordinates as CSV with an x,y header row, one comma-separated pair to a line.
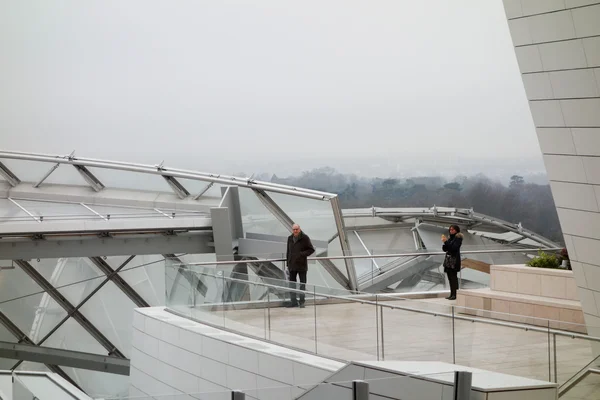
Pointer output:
x,y
544,260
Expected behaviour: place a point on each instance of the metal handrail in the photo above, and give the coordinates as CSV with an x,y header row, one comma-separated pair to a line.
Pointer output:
x,y
425,253
433,313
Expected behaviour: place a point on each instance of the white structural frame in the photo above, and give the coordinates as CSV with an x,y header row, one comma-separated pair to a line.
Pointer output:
x,y
170,174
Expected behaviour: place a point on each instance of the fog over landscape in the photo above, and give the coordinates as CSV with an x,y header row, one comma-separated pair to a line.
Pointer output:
x,y
383,88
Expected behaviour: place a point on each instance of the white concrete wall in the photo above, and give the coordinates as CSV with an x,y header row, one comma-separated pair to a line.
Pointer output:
x,y
173,355
427,380
557,44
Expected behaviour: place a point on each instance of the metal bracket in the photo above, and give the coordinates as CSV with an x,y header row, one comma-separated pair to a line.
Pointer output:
x,y
89,177
177,187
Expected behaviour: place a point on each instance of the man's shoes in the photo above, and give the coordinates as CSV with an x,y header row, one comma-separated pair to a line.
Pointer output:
x,y
290,305
451,298
301,305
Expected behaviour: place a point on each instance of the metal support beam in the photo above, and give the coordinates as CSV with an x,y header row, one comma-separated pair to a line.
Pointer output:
x,y
51,170
511,228
69,308
81,304
339,222
89,246
89,177
335,273
119,281
274,208
196,197
366,249
8,175
222,237
177,187
67,358
23,338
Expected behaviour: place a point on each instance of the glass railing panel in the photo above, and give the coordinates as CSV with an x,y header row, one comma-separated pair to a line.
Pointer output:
x,y
574,355
588,388
416,332
291,326
249,313
347,330
521,348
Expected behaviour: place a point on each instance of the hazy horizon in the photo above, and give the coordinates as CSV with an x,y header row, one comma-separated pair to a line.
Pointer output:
x,y
267,86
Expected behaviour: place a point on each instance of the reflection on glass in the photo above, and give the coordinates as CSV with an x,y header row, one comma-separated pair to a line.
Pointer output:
x,y
110,311
256,218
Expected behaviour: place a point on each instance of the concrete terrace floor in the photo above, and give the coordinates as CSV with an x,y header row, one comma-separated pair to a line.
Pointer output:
x,y
349,331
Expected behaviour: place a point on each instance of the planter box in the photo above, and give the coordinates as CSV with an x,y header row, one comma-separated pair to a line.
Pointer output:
x,y
545,282
523,294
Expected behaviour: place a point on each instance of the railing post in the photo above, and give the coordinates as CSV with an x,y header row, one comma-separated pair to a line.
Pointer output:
x,y
555,361
360,390
315,313
377,325
453,339
236,395
269,312
382,337
462,385
549,357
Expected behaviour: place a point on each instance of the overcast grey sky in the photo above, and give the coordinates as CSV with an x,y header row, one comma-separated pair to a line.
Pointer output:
x,y
184,80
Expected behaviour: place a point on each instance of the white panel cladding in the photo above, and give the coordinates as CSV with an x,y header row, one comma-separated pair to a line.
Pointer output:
x,y
573,83
592,169
547,113
529,58
577,222
513,9
565,168
530,7
580,3
556,141
567,54
519,31
538,86
586,20
551,27
574,196
587,249
587,141
591,47
581,112
568,127
194,358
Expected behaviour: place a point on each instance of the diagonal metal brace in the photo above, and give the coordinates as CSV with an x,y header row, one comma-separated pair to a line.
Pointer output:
x,y
69,308
120,282
23,338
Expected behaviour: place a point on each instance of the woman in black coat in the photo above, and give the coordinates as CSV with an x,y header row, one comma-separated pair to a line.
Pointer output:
x,y
452,260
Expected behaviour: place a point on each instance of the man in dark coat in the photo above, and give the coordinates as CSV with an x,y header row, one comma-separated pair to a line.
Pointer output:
x,y
299,247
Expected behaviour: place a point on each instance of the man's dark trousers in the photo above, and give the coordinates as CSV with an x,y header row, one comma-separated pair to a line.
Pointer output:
x,y
293,285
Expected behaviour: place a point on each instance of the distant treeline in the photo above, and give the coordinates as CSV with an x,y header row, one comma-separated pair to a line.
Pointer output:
x,y
519,201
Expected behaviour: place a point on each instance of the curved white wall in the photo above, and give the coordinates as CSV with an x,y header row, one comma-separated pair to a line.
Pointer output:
x,y
173,355
557,44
